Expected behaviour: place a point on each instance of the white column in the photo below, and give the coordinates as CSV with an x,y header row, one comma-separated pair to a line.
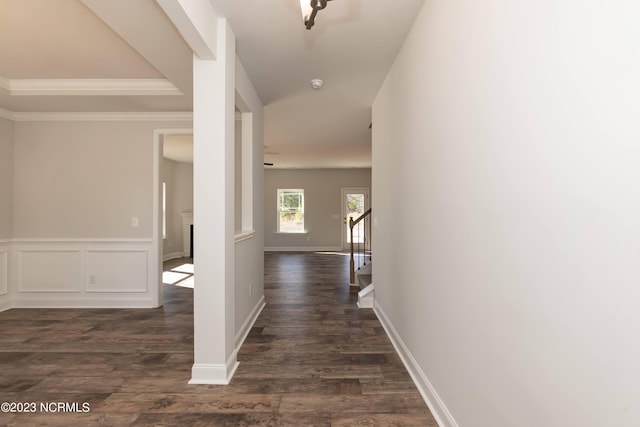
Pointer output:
x,y
213,132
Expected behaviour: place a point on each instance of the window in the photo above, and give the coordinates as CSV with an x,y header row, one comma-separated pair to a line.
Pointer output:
x,y
291,211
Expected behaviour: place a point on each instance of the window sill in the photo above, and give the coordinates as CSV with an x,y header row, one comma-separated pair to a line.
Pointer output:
x,y
244,235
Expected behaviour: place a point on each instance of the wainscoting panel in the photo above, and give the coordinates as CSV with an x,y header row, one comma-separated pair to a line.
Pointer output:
x,y
52,270
82,273
5,275
4,271
117,271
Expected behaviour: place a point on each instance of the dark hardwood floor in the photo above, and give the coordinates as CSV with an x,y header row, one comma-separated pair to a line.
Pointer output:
x,y
312,359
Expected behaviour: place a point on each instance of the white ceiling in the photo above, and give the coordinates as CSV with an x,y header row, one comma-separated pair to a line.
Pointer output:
x,y
140,61
178,147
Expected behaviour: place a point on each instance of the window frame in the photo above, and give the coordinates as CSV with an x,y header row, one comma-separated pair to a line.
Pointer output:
x,y
279,209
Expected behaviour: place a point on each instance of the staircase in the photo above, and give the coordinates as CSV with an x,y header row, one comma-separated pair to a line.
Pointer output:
x,y
361,262
364,275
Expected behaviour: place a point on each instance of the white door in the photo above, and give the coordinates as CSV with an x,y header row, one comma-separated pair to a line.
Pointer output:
x,y
355,201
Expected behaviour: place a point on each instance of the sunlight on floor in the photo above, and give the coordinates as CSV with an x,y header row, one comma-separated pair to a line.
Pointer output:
x,y
188,283
171,278
184,268
179,276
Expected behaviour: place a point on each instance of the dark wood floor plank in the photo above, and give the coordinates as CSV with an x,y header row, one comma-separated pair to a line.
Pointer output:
x,y
312,358
69,419
218,403
232,420
384,420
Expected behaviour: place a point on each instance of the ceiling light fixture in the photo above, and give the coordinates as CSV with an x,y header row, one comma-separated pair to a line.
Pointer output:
x,y
310,9
317,83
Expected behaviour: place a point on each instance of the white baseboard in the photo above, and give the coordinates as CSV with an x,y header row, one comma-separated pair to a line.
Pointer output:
x,y
428,392
5,303
67,302
205,373
303,249
167,257
242,334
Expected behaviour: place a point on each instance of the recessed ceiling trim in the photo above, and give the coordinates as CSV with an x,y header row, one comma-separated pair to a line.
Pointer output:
x,y
6,114
102,117
91,87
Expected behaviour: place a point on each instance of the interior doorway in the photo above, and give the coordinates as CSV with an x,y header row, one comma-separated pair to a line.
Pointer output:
x,y
355,201
163,194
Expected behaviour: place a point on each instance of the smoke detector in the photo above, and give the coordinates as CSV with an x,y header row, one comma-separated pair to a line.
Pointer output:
x,y
317,83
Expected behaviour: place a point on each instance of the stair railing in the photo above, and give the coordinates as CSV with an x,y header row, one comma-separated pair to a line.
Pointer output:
x,y
360,250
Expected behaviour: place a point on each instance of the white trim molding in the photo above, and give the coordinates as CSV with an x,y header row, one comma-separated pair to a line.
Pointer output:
x,y
243,333
244,235
5,305
94,241
204,373
92,87
4,270
34,275
175,255
83,273
6,256
429,394
103,117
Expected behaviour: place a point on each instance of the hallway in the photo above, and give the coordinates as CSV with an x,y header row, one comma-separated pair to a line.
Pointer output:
x,y
312,358
328,362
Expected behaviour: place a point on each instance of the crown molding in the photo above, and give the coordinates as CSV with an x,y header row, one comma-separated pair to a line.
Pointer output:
x,y
130,87
102,117
89,87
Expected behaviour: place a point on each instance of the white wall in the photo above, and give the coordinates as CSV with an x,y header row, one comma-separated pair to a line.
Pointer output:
x,y
90,178
171,243
179,179
323,217
238,177
182,198
6,208
506,166
249,253
6,178
77,187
